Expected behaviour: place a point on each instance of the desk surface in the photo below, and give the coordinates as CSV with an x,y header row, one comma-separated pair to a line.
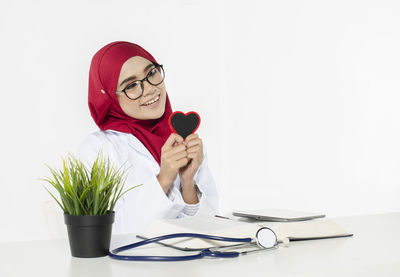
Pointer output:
x,y
373,251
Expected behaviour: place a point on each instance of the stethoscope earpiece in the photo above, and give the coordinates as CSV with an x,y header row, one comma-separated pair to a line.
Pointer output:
x,y
284,241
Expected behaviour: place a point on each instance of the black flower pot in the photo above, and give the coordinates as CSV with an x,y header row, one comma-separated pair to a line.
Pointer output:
x,y
89,235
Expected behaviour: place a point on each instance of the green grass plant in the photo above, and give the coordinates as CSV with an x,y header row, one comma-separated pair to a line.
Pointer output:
x,y
85,191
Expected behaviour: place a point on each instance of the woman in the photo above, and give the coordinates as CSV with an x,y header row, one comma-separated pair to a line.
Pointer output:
x,y
129,103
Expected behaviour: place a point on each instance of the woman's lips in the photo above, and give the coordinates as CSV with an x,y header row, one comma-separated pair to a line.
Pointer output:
x,y
155,104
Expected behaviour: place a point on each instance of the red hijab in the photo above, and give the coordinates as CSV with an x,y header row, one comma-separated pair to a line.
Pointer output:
x,y
104,106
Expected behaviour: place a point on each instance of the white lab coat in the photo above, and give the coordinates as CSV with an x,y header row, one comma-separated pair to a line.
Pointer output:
x,y
142,205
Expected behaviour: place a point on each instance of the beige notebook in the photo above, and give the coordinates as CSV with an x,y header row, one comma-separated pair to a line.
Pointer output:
x,y
314,229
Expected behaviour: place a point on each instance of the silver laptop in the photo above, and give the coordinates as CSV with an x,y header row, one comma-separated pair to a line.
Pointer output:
x,y
278,215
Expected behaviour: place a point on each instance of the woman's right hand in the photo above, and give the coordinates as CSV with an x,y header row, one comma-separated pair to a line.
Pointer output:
x,y
173,157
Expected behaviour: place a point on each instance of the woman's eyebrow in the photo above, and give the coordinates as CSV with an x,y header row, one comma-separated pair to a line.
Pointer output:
x,y
134,77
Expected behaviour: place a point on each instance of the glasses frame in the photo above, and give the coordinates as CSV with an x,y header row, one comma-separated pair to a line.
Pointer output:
x,y
157,66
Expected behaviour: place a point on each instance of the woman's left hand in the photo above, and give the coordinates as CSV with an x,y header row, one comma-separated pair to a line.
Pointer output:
x,y
194,148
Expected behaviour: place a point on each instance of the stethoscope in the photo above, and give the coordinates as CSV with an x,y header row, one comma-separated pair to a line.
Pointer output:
x,y
265,239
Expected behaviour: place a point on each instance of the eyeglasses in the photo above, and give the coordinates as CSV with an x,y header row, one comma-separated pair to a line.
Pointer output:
x,y
135,90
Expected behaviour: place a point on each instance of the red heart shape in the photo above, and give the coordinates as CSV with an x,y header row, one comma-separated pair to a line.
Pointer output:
x,y
184,124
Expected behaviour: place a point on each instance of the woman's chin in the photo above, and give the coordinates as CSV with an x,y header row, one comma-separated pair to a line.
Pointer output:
x,y
156,114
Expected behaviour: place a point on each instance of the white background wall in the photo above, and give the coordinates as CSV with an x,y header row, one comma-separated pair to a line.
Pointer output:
x,y
299,99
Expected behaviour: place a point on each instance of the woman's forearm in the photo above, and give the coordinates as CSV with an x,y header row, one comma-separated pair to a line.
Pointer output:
x,y
164,184
189,192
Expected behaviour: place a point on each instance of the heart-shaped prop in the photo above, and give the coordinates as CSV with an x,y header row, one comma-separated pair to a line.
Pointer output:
x,y
184,124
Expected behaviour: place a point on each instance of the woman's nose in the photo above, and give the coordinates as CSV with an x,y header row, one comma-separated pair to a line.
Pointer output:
x,y
147,88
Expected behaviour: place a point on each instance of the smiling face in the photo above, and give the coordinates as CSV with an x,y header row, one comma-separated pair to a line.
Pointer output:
x,y
137,68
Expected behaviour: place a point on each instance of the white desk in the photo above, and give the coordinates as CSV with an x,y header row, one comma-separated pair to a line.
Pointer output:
x,y
373,251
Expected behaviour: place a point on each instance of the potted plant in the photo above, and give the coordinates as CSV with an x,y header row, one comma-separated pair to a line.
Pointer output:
x,y
88,197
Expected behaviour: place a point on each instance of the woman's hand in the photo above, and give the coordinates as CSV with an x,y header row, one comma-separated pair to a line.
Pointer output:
x,y
173,157
194,148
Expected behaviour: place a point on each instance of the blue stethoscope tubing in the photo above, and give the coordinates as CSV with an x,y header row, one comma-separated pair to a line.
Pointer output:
x,y
203,253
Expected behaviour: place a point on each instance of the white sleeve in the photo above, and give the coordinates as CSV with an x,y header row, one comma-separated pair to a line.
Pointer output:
x,y
192,209
140,206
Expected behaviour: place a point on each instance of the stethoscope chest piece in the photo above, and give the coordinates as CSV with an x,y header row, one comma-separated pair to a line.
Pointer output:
x,y
266,238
